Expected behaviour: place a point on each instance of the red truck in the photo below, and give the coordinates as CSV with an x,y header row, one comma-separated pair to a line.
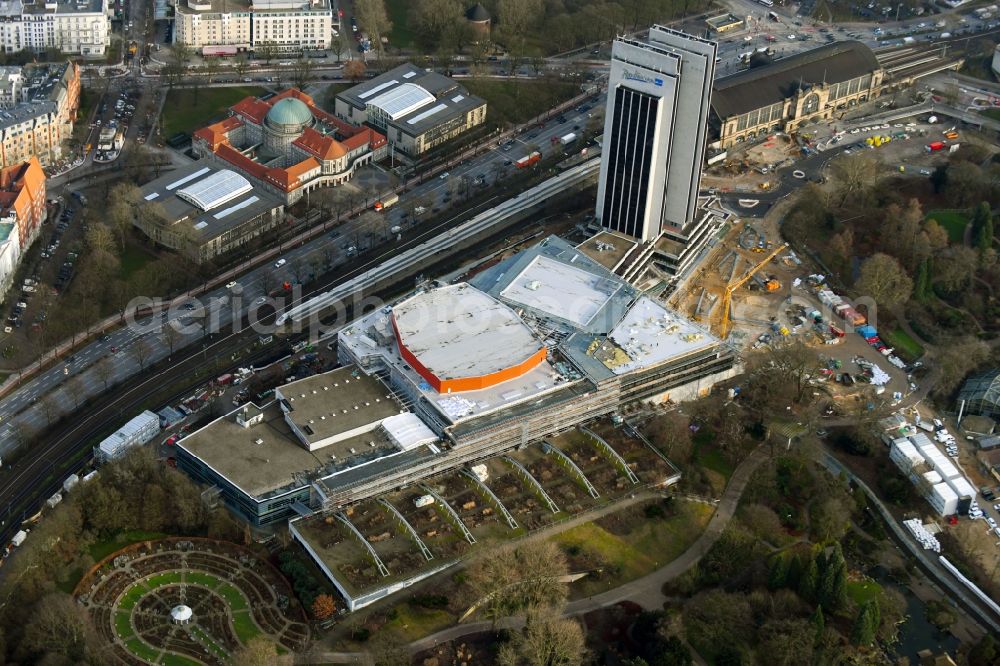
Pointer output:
x,y
528,160
935,146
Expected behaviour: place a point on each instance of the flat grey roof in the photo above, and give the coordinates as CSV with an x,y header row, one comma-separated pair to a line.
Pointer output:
x,y
777,81
607,248
256,468
458,331
452,100
338,402
213,222
558,254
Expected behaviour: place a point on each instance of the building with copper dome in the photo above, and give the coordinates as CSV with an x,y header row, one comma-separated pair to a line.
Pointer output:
x,y
287,145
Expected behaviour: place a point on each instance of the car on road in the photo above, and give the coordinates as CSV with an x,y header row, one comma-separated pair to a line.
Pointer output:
x,y
925,172
280,262
232,284
444,175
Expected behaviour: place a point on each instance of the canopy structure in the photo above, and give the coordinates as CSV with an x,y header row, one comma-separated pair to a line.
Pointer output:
x,y
981,394
181,614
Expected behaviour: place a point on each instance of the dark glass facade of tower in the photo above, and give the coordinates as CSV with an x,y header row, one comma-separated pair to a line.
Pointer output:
x,y
630,147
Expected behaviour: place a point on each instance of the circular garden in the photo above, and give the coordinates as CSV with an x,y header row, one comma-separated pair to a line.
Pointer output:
x,y
189,601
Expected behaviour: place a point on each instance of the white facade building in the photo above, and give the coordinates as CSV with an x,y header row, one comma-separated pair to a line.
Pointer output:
x,y
71,26
285,25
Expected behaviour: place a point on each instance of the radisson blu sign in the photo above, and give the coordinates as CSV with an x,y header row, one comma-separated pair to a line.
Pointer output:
x,y
642,78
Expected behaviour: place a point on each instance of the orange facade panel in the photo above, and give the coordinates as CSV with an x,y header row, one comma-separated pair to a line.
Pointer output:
x,y
471,383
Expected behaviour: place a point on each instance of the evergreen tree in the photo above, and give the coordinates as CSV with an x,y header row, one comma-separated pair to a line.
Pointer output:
x,y
982,225
866,624
838,595
808,581
922,288
819,625
777,575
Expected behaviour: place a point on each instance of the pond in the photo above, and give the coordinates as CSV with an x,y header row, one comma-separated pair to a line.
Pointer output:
x,y
916,633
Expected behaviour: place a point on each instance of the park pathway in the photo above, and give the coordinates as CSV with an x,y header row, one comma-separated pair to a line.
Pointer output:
x,y
646,591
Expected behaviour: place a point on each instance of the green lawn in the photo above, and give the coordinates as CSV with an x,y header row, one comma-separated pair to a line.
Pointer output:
x,y
905,345
123,625
517,101
132,260
244,626
201,578
166,578
413,622
132,596
142,650
861,591
711,458
650,544
102,549
991,113
954,222
401,37
235,598
181,113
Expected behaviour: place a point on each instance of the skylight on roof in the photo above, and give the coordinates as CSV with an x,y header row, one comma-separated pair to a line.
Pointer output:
x,y
232,209
377,89
426,114
188,178
221,187
405,99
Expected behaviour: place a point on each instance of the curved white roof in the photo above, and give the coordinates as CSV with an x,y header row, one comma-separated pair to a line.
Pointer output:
x,y
403,99
180,613
221,187
458,331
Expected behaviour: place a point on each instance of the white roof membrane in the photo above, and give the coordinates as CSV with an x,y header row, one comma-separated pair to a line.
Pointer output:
x,y
560,290
402,100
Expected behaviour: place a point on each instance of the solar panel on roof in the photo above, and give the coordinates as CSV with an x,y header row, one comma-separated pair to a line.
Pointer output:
x,y
151,196
221,187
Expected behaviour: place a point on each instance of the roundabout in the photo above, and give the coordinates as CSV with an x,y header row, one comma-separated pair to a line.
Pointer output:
x,y
189,601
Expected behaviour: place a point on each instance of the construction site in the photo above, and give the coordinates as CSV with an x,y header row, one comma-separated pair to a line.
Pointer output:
x,y
385,544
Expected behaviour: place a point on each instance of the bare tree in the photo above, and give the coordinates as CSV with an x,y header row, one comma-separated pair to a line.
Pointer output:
x,y
105,369
547,640
514,579
302,72
141,352
50,409
171,336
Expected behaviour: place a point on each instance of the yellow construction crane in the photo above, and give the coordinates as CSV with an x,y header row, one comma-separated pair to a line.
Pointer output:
x,y
727,297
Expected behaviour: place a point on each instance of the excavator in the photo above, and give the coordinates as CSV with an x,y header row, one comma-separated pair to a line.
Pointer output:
x,y
770,285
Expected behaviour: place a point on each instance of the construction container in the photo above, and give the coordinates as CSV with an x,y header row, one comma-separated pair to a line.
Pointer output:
x,y
904,455
19,538
965,492
423,500
943,499
53,501
89,476
71,482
